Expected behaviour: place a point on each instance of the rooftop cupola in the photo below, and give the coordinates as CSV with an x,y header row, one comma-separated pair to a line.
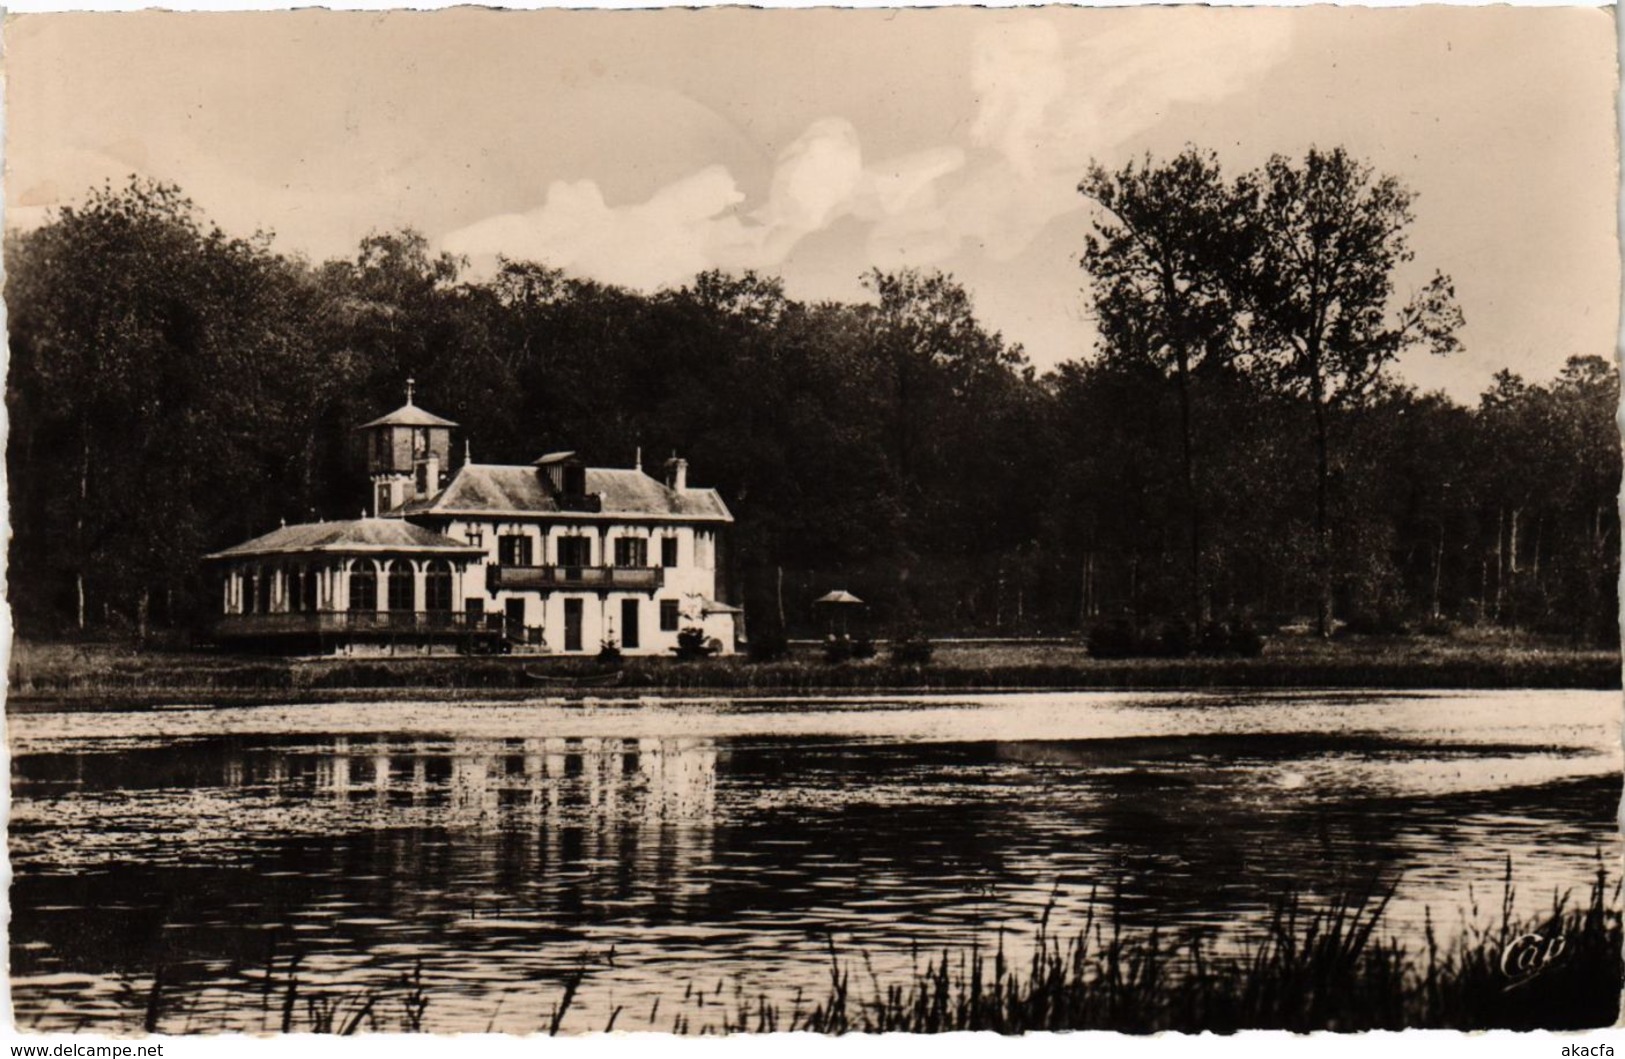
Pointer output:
x,y
408,454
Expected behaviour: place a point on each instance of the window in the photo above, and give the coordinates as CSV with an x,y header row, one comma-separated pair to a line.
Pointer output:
x,y
630,633
437,587
573,611
631,551
402,587
513,550
475,537
423,478
668,552
363,586
474,607
383,503
575,551
668,615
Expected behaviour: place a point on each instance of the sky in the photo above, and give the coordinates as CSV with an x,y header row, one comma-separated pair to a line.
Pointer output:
x,y
640,147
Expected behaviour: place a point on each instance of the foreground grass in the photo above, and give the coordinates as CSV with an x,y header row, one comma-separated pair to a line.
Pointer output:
x,y
1325,969
94,674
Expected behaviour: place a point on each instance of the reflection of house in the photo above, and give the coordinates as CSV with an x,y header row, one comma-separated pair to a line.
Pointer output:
x,y
552,556
534,806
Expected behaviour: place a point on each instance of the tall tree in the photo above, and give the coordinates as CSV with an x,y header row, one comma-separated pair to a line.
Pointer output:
x,y
1166,249
141,338
1331,235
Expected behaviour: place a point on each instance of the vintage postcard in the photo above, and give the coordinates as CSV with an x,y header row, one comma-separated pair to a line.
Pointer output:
x,y
747,521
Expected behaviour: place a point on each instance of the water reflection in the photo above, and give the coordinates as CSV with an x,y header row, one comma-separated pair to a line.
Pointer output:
x,y
506,863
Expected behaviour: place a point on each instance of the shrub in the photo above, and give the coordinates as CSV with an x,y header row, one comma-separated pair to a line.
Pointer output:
x,y
769,646
912,650
692,645
1384,621
862,647
1114,639
1245,640
1437,626
837,649
1177,639
609,652
1213,639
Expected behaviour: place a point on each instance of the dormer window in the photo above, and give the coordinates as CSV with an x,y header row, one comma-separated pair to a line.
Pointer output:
x,y
575,480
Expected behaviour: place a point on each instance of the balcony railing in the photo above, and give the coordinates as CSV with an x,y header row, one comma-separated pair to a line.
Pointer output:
x,y
591,578
340,623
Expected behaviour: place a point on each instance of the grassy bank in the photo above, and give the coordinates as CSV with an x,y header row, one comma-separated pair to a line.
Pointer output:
x,y
1330,968
44,674
1324,970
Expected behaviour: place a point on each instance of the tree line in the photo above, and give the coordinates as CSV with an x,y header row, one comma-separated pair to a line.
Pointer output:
x,y
1236,445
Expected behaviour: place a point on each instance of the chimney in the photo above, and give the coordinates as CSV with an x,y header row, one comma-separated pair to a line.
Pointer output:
x,y
677,473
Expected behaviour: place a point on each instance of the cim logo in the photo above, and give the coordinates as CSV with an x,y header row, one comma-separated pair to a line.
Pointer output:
x,y
1529,955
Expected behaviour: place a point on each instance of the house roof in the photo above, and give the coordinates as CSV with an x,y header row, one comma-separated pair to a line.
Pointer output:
x,y
408,415
363,536
490,489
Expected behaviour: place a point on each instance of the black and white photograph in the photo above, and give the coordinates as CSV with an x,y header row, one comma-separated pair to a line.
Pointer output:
x,y
742,521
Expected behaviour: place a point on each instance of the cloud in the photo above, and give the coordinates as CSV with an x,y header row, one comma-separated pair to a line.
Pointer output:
x,y
643,245
1019,73
687,226
813,181
1046,105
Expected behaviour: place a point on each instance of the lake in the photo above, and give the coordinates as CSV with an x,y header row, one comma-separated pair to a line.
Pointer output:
x,y
672,856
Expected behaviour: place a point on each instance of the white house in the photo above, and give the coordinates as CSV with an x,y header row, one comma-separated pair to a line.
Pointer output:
x,y
552,556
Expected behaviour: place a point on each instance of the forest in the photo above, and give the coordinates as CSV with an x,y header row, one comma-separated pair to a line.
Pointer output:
x,y
1237,446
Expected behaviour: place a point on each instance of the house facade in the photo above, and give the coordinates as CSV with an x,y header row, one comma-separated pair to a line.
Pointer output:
x,y
549,557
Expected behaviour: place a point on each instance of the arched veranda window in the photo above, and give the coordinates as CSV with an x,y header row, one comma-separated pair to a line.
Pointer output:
x,y
402,587
437,587
363,585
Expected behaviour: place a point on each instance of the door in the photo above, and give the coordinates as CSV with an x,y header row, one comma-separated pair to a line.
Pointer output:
x,y
629,624
515,613
572,625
